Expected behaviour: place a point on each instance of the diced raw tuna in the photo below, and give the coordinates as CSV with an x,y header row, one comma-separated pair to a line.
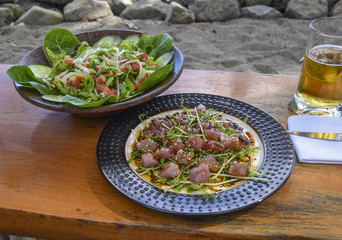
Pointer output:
x,y
212,134
152,130
201,108
175,145
200,174
161,134
163,153
235,142
209,160
212,145
162,122
230,142
205,124
238,169
195,142
147,145
169,170
182,119
237,128
148,160
244,140
183,158
225,122
191,130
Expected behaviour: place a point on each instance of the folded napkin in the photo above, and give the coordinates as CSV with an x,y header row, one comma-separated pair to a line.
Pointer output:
x,y
313,150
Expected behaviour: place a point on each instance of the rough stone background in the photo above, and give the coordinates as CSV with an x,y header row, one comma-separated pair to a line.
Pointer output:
x,y
263,36
51,12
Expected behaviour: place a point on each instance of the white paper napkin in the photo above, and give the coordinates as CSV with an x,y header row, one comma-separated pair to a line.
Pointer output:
x,y
312,150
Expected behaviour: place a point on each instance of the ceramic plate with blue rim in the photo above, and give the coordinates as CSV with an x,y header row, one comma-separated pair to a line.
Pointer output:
x,y
276,157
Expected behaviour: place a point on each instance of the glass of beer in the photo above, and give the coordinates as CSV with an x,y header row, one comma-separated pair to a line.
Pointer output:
x,y
319,90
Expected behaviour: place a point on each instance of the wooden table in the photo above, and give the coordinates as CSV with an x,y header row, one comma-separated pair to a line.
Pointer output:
x,y
50,185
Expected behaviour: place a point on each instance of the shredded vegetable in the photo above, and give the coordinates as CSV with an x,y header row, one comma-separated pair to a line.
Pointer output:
x,y
89,76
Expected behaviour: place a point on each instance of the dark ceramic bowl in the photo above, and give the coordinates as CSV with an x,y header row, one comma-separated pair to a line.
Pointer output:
x,y
37,57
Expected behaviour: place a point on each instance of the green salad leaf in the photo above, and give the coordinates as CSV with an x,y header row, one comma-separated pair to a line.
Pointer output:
x,y
58,43
156,45
43,89
156,77
22,75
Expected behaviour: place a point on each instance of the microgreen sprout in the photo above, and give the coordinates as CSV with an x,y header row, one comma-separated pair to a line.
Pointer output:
x,y
188,122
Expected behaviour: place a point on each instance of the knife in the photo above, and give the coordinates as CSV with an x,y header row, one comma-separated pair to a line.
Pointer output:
x,y
319,135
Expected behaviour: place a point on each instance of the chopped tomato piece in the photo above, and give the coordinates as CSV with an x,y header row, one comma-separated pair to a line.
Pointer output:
x,y
98,68
147,74
100,80
75,81
108,92
143,57
105,90
141,80
137,85
69,61
110,72
100,87
123,67
79,77
135,67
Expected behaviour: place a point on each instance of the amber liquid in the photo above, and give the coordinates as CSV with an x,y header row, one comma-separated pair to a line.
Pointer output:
x,y
320,83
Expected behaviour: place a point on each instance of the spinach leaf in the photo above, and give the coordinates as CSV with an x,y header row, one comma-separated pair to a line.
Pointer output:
x,y
58,43
23,75
155,77
155,45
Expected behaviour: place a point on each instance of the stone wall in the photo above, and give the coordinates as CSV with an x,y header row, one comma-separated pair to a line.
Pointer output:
x,y
51,12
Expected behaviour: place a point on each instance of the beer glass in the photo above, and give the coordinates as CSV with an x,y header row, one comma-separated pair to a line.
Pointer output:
x,y
319,90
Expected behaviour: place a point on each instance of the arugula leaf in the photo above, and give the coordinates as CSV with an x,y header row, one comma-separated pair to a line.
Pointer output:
x,y
58,43
155,45
155,77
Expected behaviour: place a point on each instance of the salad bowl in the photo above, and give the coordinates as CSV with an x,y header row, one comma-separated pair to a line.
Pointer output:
x,y
37,56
